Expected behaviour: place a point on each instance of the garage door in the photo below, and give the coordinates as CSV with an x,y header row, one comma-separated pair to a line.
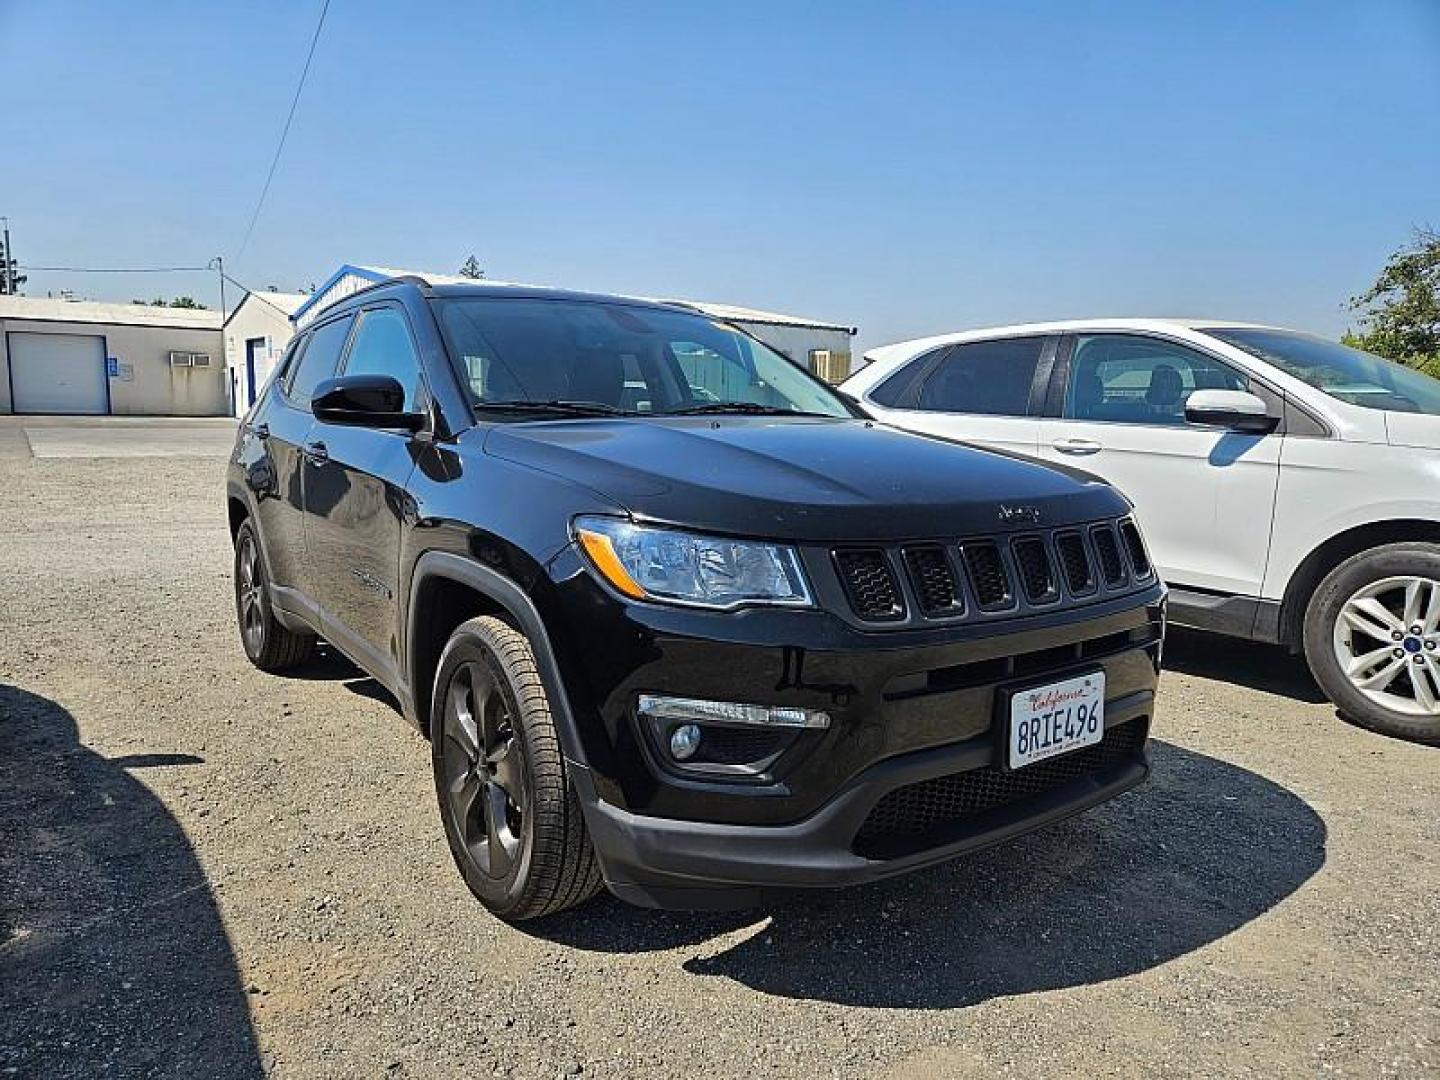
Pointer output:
x,y
57,373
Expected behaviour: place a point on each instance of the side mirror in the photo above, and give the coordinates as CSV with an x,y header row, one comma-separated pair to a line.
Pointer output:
x,y
376,401
1236,410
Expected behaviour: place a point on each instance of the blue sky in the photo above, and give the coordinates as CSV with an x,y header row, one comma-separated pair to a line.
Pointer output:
x,y
907,168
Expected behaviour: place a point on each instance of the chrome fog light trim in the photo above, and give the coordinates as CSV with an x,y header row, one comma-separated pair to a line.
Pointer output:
x,y
660,707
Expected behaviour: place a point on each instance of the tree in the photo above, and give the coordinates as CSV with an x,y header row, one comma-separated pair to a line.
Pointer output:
x,y
1400,313
179,302
471,269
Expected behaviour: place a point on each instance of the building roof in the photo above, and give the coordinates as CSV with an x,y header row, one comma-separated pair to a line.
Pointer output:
x,y
732,313
285,303
729,312
44,309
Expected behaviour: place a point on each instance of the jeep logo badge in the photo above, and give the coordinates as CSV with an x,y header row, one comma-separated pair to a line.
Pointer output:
x,y
1012,514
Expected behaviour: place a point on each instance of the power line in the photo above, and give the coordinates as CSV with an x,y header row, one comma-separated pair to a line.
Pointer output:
x,y
115,269
284,133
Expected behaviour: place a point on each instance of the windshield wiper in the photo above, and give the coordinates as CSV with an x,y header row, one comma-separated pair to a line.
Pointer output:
x,y
561,408
738,407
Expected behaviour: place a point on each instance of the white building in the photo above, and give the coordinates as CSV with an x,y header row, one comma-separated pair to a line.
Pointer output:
x,y
80,357
824,347
256,333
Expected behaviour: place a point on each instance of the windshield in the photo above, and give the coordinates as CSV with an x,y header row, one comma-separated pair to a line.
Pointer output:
x,y
1350,375
578,357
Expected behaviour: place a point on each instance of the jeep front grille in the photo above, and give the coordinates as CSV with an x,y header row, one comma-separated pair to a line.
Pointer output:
x,y
1079,576
1035,573
1108,551
869,583
1139,560
992,577
987,574
936,588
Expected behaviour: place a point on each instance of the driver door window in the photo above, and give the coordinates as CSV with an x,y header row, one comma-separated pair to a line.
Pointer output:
x,y
382,346
1124,379
1204,496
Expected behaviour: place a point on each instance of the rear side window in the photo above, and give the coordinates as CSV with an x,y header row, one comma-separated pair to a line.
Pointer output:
x,y
988,378
893,390
319,360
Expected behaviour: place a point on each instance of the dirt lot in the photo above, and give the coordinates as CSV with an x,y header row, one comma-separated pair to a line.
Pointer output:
x,y
206,871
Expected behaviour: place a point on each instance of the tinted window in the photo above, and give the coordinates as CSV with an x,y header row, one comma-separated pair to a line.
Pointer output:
x,y
1350,375
890,392
1140,380
318,361
635,359
383,346
992,378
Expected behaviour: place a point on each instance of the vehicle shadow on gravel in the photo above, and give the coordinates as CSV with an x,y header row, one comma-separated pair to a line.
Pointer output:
x,y
1199,851
113,957
1271,669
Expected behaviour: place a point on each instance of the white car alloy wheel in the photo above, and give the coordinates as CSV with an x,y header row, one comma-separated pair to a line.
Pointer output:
x,y
1387,642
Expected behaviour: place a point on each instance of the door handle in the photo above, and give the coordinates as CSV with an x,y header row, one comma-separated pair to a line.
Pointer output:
x,y
316,453
1077,446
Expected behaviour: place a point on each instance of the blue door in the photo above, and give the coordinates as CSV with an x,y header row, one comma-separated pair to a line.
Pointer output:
x,y
253,348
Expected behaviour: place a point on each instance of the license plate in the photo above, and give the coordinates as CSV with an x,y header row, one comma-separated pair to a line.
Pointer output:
x,y
1056,718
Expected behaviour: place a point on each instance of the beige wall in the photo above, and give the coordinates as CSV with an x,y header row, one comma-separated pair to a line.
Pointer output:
x,y
153,387
797,341
255,319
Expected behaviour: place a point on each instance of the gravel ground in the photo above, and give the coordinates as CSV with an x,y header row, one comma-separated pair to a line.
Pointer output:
x,y
207,871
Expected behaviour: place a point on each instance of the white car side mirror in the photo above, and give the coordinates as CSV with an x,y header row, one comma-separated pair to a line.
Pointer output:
x,y
1236,410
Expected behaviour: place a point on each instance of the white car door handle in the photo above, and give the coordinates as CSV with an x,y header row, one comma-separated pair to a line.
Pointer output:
x,y
1077,446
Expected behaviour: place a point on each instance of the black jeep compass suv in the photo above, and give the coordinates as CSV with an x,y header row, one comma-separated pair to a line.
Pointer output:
x,y
677,618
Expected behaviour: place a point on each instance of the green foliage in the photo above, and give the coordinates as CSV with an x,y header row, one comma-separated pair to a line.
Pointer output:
x,y
1400,313
471,269
179,302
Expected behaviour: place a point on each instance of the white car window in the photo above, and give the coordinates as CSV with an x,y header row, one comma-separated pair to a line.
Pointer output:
x,y
1132,379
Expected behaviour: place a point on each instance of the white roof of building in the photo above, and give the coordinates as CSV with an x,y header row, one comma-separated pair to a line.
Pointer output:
x,y
44,309
729,312
286,303
733,313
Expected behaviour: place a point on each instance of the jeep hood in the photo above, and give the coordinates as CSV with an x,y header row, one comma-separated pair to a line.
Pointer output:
x,y
803,479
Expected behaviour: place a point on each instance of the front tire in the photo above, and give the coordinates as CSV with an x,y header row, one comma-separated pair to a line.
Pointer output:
x,y
1372,639
268,644
511,817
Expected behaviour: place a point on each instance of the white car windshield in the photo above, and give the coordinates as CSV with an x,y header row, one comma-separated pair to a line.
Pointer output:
x,y
1347,374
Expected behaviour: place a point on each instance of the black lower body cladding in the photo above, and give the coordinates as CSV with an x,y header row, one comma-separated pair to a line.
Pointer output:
x,y
906,770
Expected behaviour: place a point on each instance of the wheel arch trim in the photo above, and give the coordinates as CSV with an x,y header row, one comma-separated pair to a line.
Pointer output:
x,y
515,602
1334,550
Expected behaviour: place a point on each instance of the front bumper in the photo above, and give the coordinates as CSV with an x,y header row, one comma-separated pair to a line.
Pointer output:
x,y
672,863
912,732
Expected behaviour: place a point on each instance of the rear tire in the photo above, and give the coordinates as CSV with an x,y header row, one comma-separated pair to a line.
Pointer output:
x,y
1372,639
268,644
511,816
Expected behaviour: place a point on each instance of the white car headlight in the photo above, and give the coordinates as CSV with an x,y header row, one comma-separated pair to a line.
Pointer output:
x,y
671,566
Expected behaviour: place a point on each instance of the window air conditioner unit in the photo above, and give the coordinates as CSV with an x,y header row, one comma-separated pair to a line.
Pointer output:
x,y
180,359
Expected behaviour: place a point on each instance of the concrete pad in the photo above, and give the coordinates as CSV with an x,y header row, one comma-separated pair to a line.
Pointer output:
x,y
125,437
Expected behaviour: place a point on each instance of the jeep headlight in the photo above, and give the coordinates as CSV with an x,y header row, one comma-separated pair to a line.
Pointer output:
x,y
670,566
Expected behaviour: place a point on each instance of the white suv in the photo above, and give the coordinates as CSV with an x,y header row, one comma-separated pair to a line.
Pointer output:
x,y
1288,486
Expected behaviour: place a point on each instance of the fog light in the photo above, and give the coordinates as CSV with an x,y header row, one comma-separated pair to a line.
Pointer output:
x,y
731,712
684,741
